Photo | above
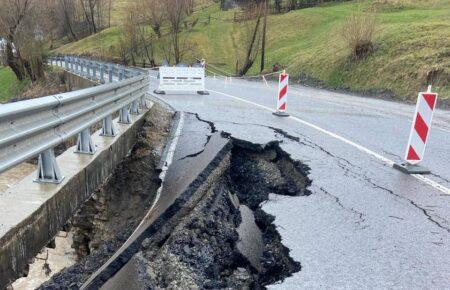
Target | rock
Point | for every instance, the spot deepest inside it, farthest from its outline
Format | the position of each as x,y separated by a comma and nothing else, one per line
145,243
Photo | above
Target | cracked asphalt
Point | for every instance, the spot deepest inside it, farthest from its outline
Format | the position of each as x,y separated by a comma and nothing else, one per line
365,225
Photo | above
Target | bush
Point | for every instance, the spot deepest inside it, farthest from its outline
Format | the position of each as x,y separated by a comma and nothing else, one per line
389,5
358,31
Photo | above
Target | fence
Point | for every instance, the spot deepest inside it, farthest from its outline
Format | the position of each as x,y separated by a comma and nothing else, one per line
34,127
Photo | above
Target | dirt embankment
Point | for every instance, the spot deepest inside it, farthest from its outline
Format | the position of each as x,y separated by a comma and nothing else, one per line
222,239
227,241
109,217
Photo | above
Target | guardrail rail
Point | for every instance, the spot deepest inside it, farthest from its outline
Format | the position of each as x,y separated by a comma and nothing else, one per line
34,127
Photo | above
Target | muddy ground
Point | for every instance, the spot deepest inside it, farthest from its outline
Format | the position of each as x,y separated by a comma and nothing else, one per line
208,249
108,218
225,242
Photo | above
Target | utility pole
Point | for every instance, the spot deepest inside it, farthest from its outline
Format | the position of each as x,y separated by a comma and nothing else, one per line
263,48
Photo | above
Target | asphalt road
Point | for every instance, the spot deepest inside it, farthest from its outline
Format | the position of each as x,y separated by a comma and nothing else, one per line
365,225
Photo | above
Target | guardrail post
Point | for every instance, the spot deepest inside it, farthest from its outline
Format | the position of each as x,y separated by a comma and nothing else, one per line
121,73
86,66
143,103
88,70
66,63
110,73
135,107
108,129
102,73
81,67
124,115
48,170
94,71
84,143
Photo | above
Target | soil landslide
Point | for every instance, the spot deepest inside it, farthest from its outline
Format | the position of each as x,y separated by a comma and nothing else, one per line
109,217
217,238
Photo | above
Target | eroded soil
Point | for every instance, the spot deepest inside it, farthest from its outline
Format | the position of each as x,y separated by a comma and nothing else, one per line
224,241
109,217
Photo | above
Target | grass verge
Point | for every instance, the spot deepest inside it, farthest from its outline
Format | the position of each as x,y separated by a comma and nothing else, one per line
10,87
412,42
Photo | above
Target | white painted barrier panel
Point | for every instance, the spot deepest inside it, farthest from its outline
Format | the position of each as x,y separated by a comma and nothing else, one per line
191,79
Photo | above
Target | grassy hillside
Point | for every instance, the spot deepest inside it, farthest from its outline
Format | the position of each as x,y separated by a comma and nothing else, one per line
9,86
412,39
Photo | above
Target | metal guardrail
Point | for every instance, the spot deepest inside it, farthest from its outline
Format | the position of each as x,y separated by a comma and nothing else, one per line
34,127
97,71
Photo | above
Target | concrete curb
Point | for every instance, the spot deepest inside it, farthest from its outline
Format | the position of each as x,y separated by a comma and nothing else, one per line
38,211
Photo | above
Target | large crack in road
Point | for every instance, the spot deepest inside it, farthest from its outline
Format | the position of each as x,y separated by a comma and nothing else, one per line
111,214
349,169
225,240
220,239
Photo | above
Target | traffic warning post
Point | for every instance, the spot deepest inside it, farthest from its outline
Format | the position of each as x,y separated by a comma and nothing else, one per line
182,79
283,85
420,132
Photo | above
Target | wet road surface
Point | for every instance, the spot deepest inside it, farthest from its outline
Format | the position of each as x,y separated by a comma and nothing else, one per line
365,225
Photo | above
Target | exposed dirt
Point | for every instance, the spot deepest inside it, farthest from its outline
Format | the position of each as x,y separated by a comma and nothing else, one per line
202,250
113,212
208,246
54,83
128,195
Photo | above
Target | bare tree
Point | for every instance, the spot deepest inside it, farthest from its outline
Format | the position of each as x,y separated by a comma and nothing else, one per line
94,13
12,18
67,10
25,25
136,41
251,38
154,10
264,35
176,11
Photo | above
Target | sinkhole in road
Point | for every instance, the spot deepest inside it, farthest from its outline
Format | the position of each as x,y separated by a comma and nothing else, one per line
227,240
224,240
109,216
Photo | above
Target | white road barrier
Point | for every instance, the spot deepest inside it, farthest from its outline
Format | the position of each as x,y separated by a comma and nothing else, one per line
182,79
420,130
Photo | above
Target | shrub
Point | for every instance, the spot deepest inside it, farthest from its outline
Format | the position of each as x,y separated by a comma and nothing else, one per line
387,6
358,31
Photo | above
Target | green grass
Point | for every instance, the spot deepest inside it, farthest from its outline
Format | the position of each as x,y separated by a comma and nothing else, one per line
104,43
9,85
412,39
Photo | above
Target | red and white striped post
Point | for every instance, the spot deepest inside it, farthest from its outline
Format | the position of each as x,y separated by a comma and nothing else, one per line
283,86
420,132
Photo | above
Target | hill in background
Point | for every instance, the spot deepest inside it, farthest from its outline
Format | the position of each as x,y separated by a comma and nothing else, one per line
412,43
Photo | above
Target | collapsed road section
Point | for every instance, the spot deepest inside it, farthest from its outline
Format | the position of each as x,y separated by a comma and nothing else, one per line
107,216
205,229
